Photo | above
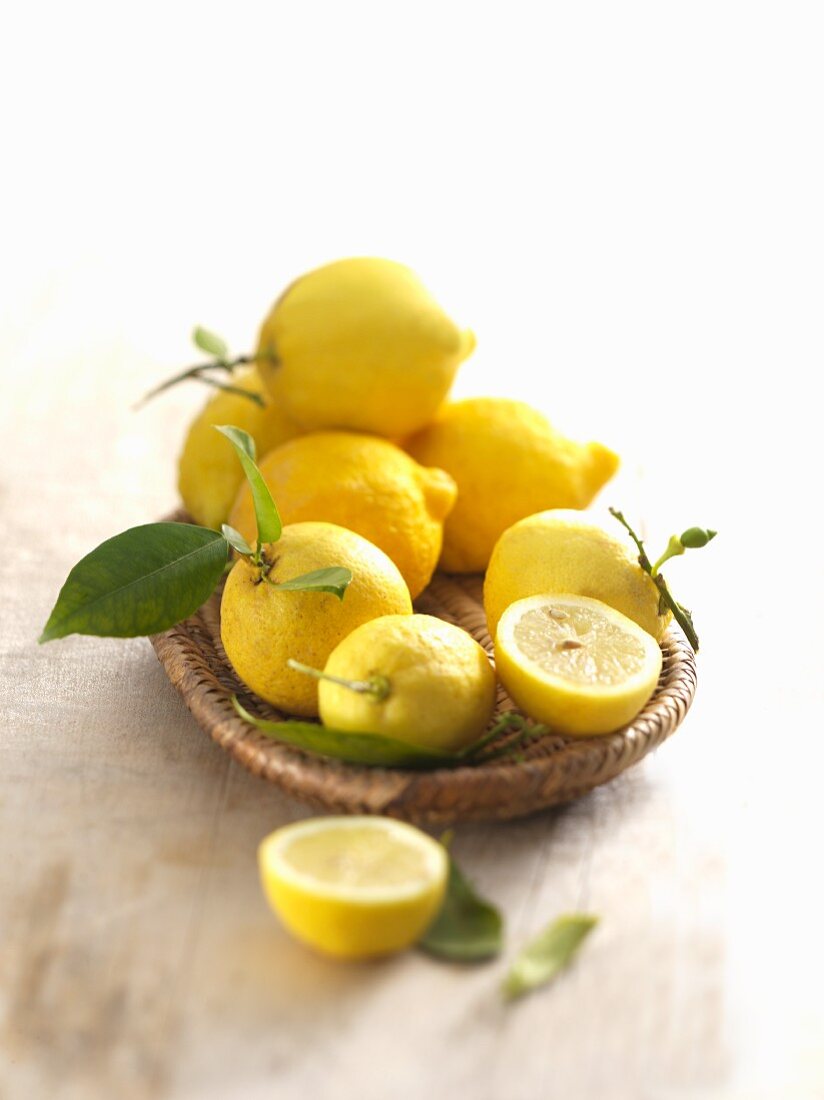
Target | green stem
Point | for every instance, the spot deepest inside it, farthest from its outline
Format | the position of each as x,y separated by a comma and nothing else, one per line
198,372
505,724
674,549
378,685
665,598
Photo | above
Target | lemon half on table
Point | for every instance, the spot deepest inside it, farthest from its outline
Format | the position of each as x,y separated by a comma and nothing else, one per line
354,887
575,663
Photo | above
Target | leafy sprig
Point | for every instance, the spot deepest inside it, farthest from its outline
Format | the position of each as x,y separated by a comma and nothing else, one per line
149,578
221,362
692,539
376,750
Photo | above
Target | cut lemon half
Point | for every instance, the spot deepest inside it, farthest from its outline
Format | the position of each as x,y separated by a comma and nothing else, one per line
354,887
575,663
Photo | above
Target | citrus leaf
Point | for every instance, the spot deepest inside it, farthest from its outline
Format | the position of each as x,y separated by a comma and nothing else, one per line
266,512
210,343
236,540
372,749
335,579
549,952
468,928
139,582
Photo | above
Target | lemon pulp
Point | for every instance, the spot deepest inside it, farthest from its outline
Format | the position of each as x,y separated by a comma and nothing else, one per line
354,887
575,663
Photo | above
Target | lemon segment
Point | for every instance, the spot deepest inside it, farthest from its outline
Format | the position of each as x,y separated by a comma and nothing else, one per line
576,664
363,483
354,887
564,551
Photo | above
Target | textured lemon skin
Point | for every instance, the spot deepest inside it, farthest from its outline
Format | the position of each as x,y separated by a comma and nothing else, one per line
563,705
442,687
508,463
346,929
563,551
261,627
209,474
361,344
364,483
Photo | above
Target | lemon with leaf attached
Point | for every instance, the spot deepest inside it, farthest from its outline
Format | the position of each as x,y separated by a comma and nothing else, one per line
263,622
364,483
361,344
209,474
508,462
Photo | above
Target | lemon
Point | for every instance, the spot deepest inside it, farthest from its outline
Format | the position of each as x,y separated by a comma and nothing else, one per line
261,627
354,887
364,483
563,551
508,462
361,344
435,687
209,473
575,663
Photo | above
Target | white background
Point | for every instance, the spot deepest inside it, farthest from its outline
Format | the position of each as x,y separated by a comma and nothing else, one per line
624,200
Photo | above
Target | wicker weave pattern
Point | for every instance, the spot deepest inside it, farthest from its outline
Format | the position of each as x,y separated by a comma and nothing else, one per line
551,771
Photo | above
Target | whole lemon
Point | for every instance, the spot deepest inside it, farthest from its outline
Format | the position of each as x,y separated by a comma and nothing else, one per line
508,463
364,483
361,344
209,474
435,684
564,552
261,626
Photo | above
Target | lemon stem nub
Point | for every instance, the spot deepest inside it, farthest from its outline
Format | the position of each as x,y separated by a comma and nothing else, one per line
375,685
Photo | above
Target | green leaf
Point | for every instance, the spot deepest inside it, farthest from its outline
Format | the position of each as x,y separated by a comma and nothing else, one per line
236,540
468,928
547,954
266,512
371,749
335,579
139,582
210,343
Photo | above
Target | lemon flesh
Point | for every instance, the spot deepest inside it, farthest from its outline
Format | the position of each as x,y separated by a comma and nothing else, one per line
361,344
575,663
363,483
564,551
508,462
261,627
441,687
209,473
354,887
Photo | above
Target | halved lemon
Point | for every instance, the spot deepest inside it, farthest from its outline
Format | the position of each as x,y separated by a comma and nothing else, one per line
575,663
354,887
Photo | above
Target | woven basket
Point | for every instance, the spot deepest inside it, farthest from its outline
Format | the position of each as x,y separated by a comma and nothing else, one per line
549,771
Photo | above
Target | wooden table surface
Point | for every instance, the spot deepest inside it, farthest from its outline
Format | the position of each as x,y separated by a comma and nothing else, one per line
650,275
138,958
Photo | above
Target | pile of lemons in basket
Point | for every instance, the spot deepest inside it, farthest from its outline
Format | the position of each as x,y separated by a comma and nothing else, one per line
347,419
375,470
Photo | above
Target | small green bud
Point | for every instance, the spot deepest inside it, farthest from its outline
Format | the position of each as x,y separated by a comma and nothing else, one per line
696,537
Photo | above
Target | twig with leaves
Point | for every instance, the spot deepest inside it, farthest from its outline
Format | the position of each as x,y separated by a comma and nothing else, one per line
691,539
